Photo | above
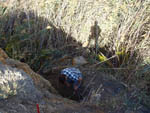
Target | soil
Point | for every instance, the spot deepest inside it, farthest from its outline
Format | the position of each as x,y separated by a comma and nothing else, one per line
97,89
92,81
62,89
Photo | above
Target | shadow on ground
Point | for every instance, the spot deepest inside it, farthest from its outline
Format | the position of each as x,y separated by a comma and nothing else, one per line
43,45
38,42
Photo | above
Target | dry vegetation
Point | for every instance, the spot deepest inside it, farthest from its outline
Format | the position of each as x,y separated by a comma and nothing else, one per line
37,30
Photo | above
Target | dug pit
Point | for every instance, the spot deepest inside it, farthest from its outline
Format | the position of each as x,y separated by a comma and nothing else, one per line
62,89
94,84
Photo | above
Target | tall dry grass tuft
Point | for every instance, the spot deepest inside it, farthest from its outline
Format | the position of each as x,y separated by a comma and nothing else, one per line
130,41
133,33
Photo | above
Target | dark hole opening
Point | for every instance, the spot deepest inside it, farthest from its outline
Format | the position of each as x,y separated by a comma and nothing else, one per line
63,90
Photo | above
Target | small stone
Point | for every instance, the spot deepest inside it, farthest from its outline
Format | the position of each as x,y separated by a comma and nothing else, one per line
80,60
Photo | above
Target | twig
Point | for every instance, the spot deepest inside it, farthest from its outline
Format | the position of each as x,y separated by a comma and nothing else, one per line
84,100
89,84
103,61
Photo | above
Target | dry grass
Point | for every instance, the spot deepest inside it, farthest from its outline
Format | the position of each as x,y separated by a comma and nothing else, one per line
124,24
77,17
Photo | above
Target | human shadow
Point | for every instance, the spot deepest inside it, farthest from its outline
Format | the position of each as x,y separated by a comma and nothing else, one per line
95,34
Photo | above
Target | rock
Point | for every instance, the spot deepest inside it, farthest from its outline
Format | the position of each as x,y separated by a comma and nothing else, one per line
16,82
38,80
99,89
80,60
21,89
